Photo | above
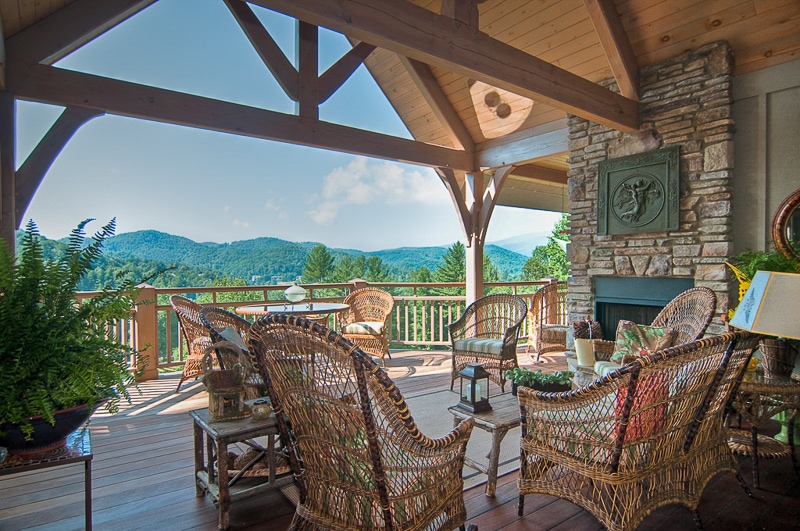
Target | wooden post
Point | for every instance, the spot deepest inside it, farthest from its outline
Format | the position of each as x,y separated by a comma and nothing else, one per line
146,333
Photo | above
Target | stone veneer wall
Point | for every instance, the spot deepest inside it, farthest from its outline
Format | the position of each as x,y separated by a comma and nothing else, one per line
686,100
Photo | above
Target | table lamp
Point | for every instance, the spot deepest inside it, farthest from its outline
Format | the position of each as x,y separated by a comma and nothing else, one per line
770,307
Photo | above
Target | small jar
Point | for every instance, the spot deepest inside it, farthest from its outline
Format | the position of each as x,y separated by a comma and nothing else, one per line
261,408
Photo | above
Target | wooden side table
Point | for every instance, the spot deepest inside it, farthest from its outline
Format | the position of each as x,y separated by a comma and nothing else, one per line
211,439
757,400
78,449
503,416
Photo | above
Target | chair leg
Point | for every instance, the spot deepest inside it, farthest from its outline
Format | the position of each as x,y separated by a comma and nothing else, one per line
697,522
521,504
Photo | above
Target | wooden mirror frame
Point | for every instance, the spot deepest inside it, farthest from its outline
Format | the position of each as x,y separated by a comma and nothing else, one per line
789,207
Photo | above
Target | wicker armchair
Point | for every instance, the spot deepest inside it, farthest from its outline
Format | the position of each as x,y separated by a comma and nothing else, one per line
689,314
358,457
194,333
224,328
648,434
547,319
487,333
366,322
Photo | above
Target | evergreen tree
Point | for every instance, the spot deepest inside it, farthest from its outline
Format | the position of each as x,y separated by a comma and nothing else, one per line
550,260
318,265
347,268
454,268
376,270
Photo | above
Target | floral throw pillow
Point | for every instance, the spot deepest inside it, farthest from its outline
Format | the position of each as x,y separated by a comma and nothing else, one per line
634,340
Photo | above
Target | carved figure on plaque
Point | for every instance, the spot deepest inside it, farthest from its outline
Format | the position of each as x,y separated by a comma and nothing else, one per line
638,200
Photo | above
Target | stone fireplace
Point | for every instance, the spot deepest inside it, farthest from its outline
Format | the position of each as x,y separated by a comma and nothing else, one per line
685,101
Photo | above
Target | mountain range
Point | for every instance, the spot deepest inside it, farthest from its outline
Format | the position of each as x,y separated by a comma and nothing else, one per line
264,260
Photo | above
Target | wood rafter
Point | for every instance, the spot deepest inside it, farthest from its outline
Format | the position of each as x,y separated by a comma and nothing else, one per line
437,100
521,149
448,177
616,45
64,87
33,170
335,76
490,196
266,47
69,28
415,32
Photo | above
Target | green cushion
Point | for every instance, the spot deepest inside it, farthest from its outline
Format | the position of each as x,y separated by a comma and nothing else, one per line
483,346
601,368
374,328
640,340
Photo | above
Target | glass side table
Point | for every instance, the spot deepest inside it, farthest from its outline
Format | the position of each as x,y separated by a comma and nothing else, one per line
77,450
757,400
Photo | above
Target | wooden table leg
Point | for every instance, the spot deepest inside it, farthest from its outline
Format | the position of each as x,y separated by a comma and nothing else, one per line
755,456
87,485
222,483
198,458
494,458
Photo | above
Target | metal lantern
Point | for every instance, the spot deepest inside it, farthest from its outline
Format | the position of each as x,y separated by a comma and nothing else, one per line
474,388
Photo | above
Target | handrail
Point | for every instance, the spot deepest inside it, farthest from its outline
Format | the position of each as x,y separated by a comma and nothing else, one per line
419,318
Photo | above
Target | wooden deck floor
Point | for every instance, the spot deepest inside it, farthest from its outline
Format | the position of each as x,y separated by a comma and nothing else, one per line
143,477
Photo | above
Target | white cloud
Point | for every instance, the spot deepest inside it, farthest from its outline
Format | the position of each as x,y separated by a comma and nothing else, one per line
241,224
278,210
367,182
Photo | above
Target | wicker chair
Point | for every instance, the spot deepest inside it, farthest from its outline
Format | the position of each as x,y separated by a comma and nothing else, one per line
487,333
689,314
647,435
547,319
359,459
224,328
194,333
366,322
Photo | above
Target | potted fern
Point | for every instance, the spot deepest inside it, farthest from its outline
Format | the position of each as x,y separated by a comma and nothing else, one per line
58,358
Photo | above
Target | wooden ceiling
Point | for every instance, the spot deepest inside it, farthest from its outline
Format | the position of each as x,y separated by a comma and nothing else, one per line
471,91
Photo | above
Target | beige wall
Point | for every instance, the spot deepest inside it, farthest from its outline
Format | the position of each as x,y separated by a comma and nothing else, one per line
767,150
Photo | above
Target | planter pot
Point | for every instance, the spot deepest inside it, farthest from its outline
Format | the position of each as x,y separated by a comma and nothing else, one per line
46,437
552,388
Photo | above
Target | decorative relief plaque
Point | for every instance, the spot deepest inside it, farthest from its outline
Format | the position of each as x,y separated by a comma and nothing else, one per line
639,193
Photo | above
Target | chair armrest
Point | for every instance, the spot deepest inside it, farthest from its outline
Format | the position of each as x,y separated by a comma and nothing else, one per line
603,349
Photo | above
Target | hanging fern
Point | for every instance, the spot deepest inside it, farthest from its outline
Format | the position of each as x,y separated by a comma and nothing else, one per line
54,352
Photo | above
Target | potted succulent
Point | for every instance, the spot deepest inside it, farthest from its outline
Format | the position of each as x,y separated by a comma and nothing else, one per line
57,357
552,382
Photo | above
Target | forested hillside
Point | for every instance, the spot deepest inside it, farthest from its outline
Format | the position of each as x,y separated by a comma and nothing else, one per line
258,261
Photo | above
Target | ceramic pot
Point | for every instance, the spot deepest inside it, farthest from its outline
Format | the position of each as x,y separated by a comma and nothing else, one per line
46,437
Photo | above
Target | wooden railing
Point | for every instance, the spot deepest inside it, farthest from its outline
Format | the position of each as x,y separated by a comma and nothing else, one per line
421,314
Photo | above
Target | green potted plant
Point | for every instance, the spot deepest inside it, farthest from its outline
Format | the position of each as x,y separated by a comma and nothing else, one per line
552,382
58,358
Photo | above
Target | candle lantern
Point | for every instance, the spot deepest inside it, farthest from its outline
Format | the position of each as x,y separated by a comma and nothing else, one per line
474,388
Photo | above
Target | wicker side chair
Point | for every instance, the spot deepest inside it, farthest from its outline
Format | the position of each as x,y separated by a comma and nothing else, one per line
225,327
646,435
194,333
487,333
547,319
359,459
689,314
366,322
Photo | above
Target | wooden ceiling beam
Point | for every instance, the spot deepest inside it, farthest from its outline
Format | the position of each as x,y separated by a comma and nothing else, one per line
265,46
435,97
415,32
616,45
69,28
64,87
538,173
335,76
526,148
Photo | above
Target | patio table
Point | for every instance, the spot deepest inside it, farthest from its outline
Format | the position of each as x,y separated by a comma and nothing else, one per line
305,309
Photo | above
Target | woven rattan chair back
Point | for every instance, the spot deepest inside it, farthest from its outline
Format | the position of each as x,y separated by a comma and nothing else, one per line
194,334
359,459
369,305
547,319
657,421
689,314
496,317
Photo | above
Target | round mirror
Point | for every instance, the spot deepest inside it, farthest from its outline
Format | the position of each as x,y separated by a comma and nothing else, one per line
786,226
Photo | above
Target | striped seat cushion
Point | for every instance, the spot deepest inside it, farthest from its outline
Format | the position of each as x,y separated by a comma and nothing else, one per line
374,328
484,346
601,368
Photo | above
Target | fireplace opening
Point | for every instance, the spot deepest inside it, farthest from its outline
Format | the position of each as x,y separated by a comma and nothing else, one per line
634,299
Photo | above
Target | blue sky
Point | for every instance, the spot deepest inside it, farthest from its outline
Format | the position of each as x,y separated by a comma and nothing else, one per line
216,187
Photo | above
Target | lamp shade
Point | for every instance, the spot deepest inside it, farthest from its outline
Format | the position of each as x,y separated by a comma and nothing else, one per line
770,305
